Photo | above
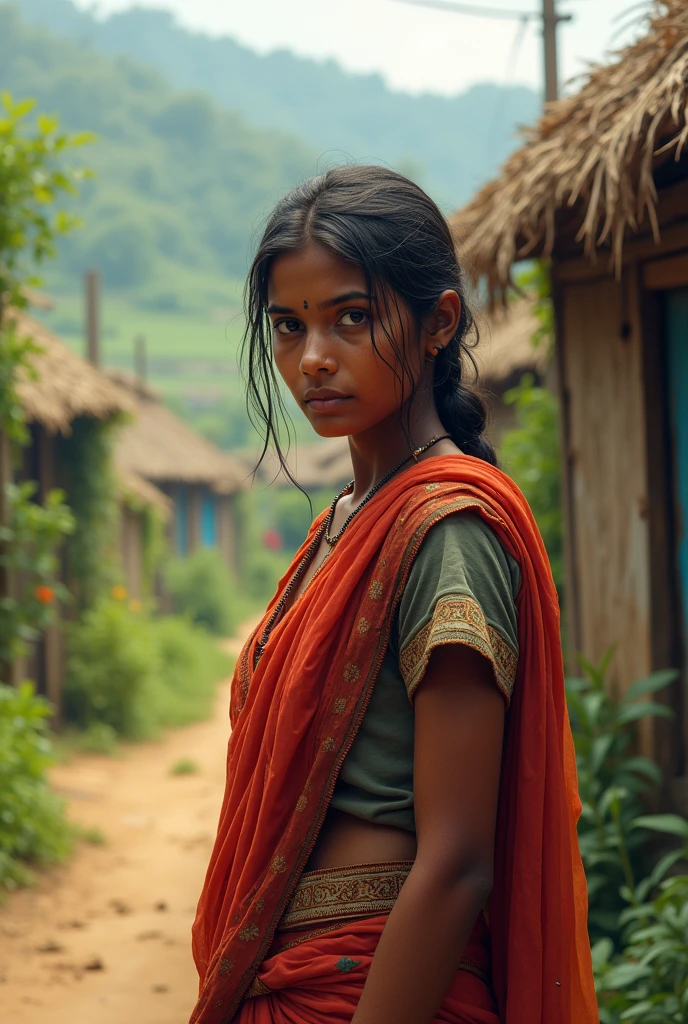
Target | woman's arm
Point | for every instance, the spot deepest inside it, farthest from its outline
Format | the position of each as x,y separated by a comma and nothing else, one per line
459,726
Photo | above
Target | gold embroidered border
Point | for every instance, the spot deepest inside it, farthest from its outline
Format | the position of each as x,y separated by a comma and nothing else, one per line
343,893
459,619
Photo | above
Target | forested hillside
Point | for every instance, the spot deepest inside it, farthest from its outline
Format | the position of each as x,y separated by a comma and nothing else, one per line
180,182
454,143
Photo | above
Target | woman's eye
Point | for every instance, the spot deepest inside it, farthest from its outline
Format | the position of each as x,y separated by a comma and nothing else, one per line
287,326
353,318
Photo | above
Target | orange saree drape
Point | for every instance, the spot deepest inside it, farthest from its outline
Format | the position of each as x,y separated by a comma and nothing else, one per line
295,715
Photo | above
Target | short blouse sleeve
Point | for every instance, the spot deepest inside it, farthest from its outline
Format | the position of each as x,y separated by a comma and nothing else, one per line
462,589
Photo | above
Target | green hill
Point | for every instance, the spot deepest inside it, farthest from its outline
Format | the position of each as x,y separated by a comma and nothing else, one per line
181,185
455,143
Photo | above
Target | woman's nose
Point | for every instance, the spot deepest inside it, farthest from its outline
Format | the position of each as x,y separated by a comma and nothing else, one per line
317,355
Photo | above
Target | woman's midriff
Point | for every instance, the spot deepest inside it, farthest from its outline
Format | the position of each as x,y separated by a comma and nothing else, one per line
345,840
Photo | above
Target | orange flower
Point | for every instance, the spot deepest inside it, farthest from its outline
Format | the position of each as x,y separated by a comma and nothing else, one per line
119,593
44,594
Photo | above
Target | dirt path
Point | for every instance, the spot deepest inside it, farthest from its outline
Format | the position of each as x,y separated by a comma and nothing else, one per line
106,938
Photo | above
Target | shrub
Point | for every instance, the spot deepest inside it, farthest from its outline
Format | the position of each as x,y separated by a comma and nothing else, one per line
648,983
112,668
612,782
33,828
530,453
136,675
190,667
200,587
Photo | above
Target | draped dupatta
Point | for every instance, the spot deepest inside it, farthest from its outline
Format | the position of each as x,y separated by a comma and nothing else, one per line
295,714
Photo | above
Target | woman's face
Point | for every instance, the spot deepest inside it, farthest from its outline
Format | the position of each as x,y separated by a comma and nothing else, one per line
321,335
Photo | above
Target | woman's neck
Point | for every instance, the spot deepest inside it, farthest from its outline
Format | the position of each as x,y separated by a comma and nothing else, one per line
377,451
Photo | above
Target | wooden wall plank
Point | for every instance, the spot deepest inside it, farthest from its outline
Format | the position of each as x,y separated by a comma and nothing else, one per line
670,272
602,367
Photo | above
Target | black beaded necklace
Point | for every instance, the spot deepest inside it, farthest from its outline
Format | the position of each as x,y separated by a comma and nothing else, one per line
324,530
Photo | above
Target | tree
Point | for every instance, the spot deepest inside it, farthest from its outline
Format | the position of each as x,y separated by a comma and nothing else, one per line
32,177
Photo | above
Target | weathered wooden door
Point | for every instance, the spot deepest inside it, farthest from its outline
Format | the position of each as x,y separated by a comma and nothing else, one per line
677,365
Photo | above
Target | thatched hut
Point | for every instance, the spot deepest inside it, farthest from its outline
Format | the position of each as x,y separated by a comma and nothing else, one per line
201,481
600,189
60,391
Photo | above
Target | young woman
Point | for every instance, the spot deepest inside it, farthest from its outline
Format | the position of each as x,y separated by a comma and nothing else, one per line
397,842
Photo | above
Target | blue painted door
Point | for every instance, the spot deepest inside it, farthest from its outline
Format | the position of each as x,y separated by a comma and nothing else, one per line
208,527
677,364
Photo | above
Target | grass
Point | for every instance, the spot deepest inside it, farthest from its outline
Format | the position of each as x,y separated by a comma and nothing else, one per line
184,766
188,351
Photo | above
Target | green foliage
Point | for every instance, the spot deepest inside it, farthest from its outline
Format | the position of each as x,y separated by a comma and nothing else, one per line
638,916
201,588
111,669
92,495
33,829
184,766
97,738
648,984
531,455
191,666
613,781
28,552
32,177
535,282
138,675
153,206
338,113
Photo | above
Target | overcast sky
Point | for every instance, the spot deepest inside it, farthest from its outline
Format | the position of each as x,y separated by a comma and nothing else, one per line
416,50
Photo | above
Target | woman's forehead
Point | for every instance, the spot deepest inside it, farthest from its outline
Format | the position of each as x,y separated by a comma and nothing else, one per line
312,273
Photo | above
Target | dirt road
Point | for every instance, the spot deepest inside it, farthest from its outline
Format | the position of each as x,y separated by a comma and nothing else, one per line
106,938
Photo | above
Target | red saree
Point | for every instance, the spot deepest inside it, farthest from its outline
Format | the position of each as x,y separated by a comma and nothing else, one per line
295,716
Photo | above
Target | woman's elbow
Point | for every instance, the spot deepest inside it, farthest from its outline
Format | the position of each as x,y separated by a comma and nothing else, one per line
461,874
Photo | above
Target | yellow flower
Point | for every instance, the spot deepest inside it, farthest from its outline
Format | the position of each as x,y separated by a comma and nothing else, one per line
119,593
135,606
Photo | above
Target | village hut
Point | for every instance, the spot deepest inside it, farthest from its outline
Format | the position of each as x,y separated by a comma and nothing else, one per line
60,390
599,189
200,481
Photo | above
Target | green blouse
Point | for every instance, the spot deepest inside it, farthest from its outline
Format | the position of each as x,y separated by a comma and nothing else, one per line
462,589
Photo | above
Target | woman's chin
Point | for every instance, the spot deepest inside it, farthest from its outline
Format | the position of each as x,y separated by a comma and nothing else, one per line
326,428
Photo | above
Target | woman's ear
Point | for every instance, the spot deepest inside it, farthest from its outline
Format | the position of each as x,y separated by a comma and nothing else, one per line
442,324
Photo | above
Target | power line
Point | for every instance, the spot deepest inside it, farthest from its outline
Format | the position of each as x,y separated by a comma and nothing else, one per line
548,17
473,11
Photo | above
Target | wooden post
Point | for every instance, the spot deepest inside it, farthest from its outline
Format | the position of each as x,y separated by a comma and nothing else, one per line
93,317
140,358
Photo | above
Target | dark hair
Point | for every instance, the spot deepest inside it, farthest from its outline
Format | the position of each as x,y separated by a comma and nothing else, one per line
387,226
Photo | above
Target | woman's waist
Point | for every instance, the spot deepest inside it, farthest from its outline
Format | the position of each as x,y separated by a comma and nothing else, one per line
331,899
346,840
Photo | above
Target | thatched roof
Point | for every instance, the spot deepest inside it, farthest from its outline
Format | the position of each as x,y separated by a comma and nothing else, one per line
65,386
595,151
506,346
133,487
162,448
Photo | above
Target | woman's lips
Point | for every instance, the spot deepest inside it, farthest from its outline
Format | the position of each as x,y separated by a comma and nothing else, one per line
327,404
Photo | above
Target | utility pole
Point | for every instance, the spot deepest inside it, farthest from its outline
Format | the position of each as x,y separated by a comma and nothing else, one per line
93,317
548,16
140,358
550,23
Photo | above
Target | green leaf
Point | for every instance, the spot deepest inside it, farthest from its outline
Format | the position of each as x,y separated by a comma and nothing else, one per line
634,712
671,824
650,684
